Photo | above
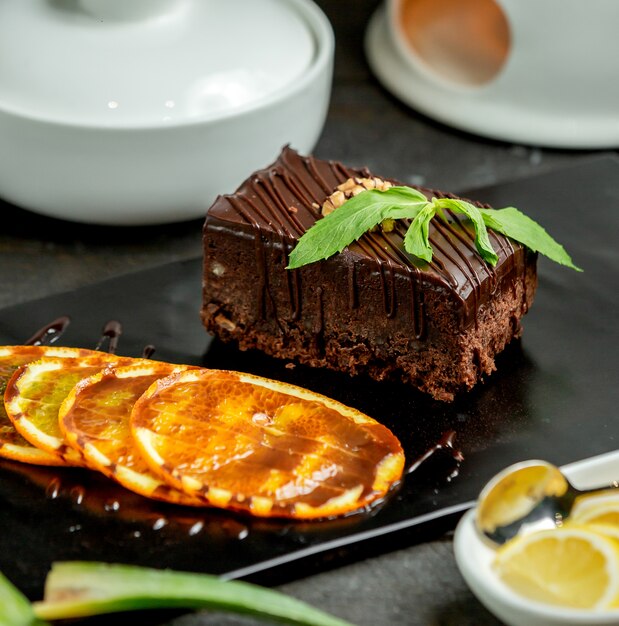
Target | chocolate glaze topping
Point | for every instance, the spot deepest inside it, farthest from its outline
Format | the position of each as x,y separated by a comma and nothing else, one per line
277,205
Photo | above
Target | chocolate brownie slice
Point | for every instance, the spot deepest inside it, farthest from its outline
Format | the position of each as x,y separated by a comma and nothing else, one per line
373,309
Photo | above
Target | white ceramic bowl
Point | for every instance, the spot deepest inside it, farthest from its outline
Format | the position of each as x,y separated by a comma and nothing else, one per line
474,559
141,112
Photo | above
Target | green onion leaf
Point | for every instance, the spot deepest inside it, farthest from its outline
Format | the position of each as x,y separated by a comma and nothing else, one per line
15,610
81,589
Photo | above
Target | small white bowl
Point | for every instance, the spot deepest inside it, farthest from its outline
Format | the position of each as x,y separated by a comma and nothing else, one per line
142,111
474,559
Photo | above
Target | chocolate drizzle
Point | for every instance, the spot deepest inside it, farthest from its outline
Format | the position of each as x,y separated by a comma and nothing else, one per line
445,443
294,292
148,351
50,333
280,203
353,300
111,333
318,329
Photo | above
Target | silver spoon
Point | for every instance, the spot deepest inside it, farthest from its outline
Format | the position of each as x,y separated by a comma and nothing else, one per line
527,496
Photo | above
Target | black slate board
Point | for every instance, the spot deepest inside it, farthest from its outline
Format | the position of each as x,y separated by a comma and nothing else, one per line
554,396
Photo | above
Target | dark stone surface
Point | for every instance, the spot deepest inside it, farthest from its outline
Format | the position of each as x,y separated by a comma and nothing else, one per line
365,126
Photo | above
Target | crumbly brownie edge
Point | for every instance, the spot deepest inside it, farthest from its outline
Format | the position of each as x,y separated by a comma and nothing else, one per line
441,368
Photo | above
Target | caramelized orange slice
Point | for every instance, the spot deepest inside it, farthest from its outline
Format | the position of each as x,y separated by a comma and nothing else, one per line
272,449
94,419
35,392
12,445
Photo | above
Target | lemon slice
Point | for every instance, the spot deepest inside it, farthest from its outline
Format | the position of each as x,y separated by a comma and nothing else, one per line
597,509
94,419
12,445
610,530
573,566
35,393
268,448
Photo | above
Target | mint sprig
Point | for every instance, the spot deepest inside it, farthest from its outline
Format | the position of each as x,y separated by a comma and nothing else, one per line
355,217
482,241
417,238
362,212
515,224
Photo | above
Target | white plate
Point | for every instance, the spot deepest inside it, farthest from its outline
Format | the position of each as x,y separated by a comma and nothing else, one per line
474,559
528,101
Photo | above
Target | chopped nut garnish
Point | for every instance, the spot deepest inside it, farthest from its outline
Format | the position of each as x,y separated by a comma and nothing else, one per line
353,187
223,322
347,185
350,188
328,207
338,198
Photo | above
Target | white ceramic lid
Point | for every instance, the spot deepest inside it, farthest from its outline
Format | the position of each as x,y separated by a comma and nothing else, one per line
121,63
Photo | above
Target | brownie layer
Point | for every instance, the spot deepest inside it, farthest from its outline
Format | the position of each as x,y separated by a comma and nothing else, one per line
373,309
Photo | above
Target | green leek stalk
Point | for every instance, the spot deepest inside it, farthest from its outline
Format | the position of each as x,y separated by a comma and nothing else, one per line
15,610
82,589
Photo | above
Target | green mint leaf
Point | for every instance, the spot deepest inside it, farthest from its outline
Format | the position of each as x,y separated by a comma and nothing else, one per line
511,222
416,240
356,216
482,241
361,213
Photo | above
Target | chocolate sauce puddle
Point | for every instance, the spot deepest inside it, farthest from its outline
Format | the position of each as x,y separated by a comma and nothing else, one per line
50,333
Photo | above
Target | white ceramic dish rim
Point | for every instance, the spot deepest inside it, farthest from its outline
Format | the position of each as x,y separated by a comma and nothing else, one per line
323,35
500,122
474,559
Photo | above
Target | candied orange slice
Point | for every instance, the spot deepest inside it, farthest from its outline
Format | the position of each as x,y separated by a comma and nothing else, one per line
35,392
258,445
12,445
94,419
